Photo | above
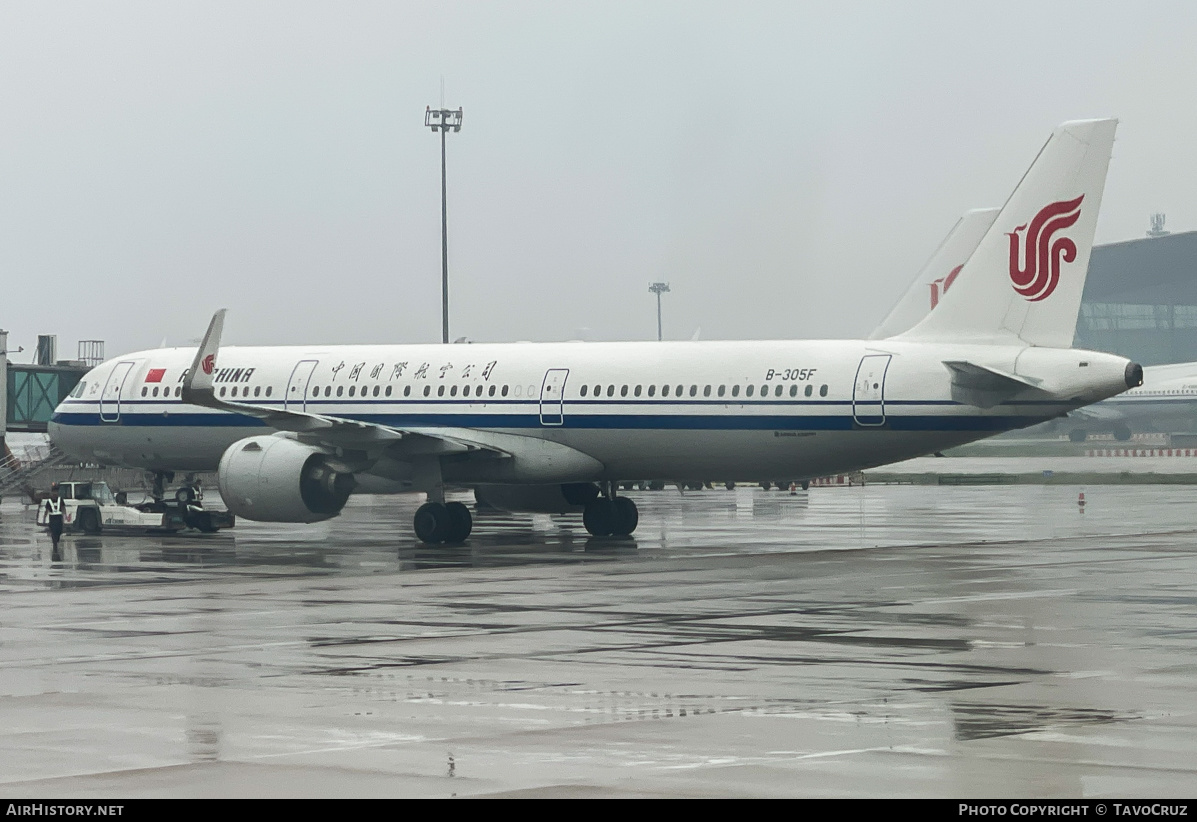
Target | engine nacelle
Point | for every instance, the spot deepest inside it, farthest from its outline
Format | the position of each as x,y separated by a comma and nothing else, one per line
539,499
276,479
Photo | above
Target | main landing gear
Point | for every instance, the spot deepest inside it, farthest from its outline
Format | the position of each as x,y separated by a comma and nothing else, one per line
443,522
608,515
438,522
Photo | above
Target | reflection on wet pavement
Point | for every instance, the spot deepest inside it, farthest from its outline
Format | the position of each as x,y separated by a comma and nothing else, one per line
888,641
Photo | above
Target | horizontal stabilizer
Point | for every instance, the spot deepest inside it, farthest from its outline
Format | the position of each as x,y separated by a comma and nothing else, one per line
985,387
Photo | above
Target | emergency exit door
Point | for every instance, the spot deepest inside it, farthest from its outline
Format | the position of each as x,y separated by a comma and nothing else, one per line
868,392
552,392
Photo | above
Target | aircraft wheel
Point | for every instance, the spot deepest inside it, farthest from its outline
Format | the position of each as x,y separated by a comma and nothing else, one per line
460,522
599,517
1122,433
627,516
806,485
185,495
765,485
432,522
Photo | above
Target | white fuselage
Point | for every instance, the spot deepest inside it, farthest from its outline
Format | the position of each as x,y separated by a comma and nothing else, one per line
712,410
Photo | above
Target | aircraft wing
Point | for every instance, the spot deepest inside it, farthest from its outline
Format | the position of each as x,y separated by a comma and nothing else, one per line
198,389
510,456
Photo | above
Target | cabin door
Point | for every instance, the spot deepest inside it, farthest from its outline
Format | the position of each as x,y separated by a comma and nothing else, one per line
552,392
297,387
868,393
110,397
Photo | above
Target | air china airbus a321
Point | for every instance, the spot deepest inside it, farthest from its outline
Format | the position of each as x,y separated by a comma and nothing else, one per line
554,427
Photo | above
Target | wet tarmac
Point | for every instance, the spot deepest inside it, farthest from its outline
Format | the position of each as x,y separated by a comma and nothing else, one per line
847,642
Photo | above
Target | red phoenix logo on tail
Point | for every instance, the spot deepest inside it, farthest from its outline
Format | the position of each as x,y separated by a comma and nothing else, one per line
1039,274
208,364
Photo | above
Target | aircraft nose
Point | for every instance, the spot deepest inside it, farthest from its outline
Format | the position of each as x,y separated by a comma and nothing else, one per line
1134,375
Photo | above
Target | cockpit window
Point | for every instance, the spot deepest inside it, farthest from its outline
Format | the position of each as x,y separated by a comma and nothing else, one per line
78,392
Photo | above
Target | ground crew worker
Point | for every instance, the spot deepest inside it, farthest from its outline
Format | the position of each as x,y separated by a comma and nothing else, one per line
54,511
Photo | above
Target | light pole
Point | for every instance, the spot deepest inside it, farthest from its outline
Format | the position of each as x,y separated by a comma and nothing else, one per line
659,289
442,120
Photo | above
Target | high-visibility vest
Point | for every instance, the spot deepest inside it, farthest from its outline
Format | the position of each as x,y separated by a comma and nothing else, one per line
54,507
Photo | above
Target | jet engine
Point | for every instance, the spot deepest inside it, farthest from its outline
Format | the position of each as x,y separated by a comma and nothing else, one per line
276,479
568,498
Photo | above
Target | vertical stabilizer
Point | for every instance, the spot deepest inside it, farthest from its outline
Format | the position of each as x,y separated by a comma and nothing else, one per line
1024,281
939,274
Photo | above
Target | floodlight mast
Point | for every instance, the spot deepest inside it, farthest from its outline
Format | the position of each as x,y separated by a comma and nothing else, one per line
442,120
659,289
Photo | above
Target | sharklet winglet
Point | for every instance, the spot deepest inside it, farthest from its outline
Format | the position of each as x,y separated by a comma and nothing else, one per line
198,385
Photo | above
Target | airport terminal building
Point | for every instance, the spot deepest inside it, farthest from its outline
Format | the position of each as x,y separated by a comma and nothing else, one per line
1140,300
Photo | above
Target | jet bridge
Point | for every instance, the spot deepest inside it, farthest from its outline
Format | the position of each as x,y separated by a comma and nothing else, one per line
29,392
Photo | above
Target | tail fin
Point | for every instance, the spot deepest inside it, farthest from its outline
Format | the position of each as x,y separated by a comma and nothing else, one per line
939,274
1025,279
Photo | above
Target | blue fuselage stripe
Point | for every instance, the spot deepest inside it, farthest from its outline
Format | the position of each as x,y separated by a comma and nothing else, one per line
465,419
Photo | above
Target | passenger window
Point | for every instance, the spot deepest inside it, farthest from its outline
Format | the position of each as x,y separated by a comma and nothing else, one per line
352,390
234,392
722,390
316,391
155,391
664,390
583,391
598,389
268,391
407,390
652,391
623,392
748,391
179,391
637,391
777,391
388,391
340,390
376,390
706,392
823,391
735,390
491,392
222,390
327,390
453,391
678,393
440,390
794,390
694,391
610,390
427,390
504,391
764,390
144,391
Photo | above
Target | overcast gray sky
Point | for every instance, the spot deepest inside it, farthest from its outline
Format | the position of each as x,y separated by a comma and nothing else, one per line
787,166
